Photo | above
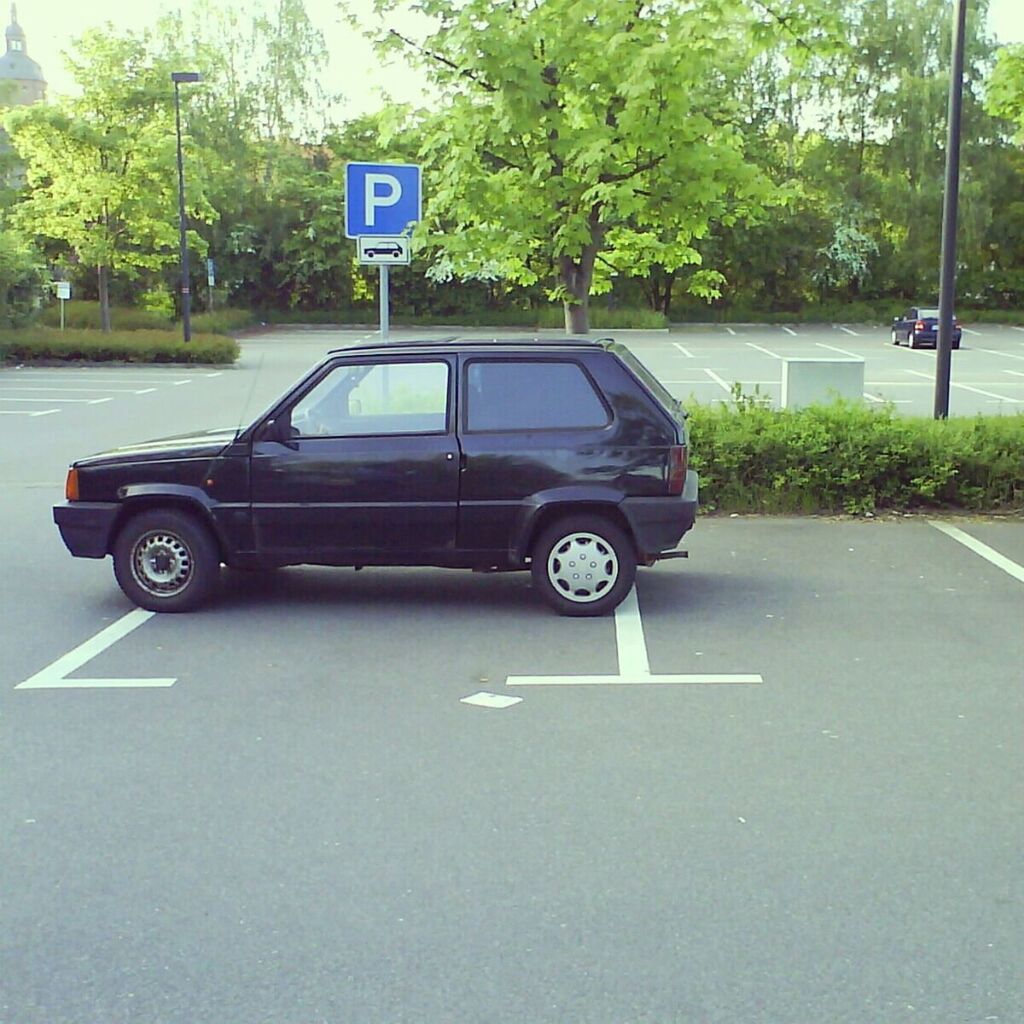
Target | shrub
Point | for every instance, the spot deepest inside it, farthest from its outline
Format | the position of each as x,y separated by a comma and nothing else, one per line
85,315
37,344
844,458
223,321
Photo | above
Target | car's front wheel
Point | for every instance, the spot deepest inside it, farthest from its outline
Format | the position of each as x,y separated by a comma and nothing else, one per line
583,565
166,561
895,337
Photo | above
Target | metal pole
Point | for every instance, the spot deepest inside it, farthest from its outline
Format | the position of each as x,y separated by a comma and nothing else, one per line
384,297
186,297
947,274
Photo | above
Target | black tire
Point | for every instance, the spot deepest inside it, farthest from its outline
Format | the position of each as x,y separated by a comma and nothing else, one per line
603,582
166,560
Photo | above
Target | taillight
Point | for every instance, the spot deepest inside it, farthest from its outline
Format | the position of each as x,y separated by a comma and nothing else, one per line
919,326
676,468
71,485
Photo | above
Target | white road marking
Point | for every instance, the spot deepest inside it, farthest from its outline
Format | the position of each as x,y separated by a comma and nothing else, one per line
766,351
841,351
718,380
53,677
66,401
989,554
1019,328
967,330
218,373
634,667
31,387
731,331
686,352
483,699
968,387
891,401
145,391
178,383
848,331
26,412
1016,373
996,352
789,330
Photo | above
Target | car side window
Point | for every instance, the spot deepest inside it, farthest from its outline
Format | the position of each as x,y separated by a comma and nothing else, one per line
364,399
531,395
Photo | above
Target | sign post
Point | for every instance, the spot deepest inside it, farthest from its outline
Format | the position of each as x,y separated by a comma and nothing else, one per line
210,282
63,293
382,203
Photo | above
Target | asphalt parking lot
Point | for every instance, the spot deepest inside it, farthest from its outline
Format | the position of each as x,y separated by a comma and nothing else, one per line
780,785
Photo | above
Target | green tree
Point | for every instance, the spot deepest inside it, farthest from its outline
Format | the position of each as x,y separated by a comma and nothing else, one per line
101,167
573,131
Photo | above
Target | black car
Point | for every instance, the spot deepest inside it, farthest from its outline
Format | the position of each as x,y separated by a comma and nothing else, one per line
919,326
568,459
387,249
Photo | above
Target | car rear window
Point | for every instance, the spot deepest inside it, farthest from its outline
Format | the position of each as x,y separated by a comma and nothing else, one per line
647,378
531,395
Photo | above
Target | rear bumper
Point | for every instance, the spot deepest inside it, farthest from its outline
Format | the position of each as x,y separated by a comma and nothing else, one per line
85,526
658,524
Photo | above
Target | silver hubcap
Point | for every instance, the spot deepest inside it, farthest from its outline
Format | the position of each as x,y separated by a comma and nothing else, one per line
582,567
162,563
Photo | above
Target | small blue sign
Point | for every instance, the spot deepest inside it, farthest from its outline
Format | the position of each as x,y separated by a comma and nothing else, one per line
381,199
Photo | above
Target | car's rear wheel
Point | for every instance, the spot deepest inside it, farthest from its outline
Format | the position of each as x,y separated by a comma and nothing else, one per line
583,565
895,337
912,340
166,560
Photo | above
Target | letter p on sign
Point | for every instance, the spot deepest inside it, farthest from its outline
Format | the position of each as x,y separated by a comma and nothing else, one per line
380,190
381,199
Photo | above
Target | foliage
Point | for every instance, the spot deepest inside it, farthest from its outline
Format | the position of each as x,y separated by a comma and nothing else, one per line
845,458
143,346
81,315
21,279
573,139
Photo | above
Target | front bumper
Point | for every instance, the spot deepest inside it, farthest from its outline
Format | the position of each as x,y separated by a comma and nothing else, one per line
658,524
85,526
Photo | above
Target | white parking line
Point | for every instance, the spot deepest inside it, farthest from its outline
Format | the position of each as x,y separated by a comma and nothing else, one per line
789,330
968,387
53,677
967,330
634,667
1019,328
1016,373
989,554
4,388
996,352
718,380
766,351
841,351
686,352
848,331
731,331
26,412
77,401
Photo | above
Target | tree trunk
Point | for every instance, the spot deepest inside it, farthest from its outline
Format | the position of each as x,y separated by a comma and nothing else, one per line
104,275
576,279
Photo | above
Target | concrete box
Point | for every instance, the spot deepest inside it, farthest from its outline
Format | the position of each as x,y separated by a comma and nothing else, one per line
821,381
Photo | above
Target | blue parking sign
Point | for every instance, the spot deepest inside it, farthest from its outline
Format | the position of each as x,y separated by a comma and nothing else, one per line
381,199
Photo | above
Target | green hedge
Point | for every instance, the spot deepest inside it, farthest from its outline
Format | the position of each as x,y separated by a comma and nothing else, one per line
86,316
41,344
843,458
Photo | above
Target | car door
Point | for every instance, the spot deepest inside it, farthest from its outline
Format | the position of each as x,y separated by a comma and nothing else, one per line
362,467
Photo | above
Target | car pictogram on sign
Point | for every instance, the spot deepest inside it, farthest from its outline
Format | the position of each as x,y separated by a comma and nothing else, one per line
386,249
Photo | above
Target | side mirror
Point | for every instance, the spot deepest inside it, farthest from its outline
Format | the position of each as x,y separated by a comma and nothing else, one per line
279,430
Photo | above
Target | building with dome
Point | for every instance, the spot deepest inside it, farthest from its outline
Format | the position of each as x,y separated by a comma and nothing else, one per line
21,78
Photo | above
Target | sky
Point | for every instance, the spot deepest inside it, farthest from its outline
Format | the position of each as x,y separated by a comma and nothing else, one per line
51,25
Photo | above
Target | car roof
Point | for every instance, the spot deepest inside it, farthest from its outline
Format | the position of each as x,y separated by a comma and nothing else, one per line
460,342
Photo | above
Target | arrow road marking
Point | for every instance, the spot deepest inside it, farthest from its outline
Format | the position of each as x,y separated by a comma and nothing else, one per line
54,677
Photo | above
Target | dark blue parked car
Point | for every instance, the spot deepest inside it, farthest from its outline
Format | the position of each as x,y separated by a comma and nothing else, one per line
566,459
919,326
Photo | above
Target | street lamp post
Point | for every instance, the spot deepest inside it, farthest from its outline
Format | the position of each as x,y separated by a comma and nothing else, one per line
177,77
951,196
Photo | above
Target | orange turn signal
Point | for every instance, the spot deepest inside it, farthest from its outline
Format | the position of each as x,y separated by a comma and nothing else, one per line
71,485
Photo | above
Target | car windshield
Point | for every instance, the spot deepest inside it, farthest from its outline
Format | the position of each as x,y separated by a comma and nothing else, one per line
922,313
